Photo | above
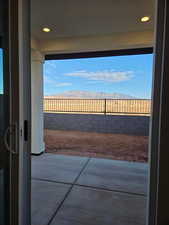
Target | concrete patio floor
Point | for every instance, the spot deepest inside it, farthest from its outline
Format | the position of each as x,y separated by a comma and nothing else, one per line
68,190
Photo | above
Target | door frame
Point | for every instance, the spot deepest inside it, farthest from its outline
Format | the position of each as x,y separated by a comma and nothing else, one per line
19,69
159,185
25,71
159,155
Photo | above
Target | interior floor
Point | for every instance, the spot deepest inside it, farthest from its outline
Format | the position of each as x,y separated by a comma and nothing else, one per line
69,190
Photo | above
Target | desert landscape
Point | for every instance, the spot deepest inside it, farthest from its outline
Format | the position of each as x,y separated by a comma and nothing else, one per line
87,102
93,144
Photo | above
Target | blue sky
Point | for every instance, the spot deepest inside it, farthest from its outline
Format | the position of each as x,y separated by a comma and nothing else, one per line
1,72
130,75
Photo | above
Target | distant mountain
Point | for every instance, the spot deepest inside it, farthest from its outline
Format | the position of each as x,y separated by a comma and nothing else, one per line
90,94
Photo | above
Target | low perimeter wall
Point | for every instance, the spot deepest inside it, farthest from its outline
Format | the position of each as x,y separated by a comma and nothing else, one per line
135,125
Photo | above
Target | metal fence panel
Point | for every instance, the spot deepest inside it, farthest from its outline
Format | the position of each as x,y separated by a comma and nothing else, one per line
106,106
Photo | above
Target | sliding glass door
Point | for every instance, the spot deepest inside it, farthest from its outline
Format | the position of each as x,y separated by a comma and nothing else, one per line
15,109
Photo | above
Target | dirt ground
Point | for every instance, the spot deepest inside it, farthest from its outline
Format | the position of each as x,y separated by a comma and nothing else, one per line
111,146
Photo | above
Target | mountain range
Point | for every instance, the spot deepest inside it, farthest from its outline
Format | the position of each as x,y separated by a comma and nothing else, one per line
91,94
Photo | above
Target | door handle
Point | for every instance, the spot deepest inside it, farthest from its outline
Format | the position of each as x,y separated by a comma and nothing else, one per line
11,136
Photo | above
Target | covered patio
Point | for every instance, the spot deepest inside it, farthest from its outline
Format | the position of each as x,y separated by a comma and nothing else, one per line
68,190
100,28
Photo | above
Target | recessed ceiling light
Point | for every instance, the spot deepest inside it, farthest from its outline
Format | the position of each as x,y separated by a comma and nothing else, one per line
145,19
46,29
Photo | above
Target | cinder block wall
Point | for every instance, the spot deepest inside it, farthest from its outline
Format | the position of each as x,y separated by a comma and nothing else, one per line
135,125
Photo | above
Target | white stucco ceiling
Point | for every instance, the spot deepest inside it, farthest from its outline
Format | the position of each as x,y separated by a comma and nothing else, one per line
75,18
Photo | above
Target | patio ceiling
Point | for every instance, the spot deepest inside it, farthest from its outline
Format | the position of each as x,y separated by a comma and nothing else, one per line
79,20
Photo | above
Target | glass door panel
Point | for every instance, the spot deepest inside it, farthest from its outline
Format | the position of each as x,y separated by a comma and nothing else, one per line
4,122
14,113
4,156
2,188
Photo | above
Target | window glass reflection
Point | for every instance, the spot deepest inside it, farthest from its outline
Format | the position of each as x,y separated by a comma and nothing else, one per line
1,71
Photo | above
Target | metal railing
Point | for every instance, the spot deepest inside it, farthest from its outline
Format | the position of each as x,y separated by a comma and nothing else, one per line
105,106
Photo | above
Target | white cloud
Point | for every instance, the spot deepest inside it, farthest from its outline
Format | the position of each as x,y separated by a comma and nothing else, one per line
63,84
54,83
48,80
106,76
